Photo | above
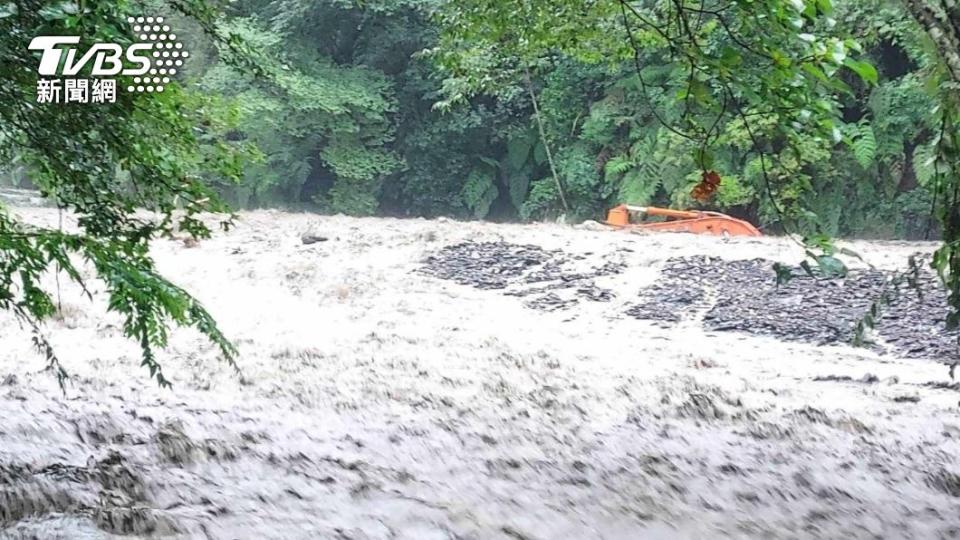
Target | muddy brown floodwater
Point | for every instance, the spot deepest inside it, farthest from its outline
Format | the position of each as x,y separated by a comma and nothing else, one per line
379,400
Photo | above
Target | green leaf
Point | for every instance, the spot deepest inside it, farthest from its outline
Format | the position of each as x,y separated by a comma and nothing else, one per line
831,266
704,158
518,151
58,11
865,70
700,92
618,165
490,162
637,188
479,192
8,10
539,154
730,57
781,59
816,72
864,145
519,186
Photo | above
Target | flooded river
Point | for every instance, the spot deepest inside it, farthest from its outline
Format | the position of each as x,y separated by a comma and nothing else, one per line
377,401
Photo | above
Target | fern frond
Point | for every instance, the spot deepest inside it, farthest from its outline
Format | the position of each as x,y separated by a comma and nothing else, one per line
925,158
618,165
864,145
638,188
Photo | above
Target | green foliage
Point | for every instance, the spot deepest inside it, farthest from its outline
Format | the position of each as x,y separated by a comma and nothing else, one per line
638,172
691,77
376,140
479,191
768,83
926,163
105,163
359,170
521,160
578,172
733,192
863,143
543,200
310,116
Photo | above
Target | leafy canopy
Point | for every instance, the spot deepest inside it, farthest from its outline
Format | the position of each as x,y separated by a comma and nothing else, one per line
106,163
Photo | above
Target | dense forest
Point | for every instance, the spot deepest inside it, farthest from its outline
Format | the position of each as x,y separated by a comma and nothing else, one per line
358,118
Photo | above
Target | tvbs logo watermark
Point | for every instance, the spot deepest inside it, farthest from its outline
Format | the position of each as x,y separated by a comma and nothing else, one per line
151,62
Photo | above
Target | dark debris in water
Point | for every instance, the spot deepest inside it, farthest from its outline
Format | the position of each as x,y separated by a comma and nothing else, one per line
549,280
744,296
110,491
945,481
941,385
492,265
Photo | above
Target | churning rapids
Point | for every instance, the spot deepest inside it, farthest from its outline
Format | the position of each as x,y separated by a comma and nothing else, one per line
385,394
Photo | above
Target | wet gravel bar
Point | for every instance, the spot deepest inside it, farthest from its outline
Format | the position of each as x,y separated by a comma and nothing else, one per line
550,280
743,296
723,295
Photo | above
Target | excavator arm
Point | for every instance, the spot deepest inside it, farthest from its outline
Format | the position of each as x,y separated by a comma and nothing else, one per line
697,222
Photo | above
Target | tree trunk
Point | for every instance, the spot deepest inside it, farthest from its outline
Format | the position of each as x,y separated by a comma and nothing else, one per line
543,139
942,24
941,21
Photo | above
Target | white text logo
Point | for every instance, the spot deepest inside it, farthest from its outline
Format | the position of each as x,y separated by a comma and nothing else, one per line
151,63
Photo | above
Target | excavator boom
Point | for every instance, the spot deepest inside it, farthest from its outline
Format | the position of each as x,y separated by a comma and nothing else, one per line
696,222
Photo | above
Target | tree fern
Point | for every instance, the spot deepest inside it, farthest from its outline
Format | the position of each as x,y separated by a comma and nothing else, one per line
638,172
618,165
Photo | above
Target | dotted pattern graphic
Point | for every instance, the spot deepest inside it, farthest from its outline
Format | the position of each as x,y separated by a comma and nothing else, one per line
168,54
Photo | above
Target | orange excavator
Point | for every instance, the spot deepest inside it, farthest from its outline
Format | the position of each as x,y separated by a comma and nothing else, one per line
696,222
